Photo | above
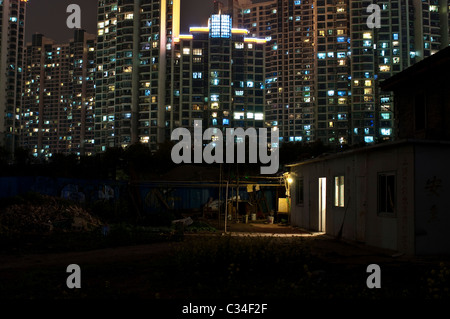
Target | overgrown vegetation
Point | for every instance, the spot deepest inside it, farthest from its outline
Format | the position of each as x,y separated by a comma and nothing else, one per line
136,162
438,282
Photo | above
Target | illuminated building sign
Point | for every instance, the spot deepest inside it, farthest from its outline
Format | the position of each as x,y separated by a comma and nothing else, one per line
220,26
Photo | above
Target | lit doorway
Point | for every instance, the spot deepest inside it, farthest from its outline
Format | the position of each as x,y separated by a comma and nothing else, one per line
322,203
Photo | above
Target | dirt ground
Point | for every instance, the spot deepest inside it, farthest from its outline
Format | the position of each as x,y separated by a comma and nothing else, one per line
340,257
326,247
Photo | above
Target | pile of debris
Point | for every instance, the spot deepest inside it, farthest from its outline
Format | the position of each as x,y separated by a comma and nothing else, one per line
45,215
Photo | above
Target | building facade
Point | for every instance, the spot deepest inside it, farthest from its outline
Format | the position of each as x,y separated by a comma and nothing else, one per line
57,113
217,77
409,32
324,63
422,99
134,40
152,80
12,43
390,195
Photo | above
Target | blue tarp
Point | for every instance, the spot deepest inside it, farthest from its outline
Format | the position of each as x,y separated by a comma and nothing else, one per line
75,189
153,195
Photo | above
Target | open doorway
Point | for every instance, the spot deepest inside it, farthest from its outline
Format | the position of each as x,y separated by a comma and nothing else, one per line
322,203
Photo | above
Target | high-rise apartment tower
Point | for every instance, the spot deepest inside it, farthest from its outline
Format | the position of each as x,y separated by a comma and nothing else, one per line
12,41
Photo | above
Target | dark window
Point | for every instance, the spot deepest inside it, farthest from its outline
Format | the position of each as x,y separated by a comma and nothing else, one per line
299,191
386,193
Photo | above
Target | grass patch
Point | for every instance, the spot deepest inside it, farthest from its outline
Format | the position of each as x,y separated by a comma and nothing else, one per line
200,227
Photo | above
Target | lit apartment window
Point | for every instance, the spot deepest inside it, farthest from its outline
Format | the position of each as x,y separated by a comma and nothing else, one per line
339,191
197,52
186,51
259,116
434,8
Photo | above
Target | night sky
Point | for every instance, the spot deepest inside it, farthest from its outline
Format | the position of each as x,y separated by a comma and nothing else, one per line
49,16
